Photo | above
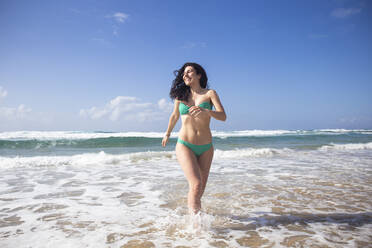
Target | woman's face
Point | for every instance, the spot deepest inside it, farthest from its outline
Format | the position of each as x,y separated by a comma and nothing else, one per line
190,77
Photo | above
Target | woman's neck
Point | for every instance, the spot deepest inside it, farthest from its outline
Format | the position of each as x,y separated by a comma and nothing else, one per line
196,89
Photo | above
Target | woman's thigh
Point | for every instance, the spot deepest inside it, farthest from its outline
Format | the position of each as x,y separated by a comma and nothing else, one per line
205,161
189,164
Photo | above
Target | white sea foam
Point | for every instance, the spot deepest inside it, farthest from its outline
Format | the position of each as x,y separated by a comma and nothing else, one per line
249,152
117,202
54,135
355,146
245,133
343,130
102,158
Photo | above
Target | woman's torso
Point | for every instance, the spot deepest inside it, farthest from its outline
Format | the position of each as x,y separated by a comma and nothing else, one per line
196,129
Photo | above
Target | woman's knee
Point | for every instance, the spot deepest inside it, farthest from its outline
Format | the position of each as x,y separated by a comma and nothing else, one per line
196,187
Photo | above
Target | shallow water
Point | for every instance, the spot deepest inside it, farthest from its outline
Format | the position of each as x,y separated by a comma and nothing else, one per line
255,197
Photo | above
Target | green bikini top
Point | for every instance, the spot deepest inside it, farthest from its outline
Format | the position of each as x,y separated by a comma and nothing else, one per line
184,109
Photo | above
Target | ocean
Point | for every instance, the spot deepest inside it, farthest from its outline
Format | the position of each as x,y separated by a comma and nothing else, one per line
267,188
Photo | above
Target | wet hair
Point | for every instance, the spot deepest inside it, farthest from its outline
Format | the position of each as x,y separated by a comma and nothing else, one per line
179,89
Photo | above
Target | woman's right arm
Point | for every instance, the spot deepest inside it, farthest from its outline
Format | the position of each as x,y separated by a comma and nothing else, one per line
172,122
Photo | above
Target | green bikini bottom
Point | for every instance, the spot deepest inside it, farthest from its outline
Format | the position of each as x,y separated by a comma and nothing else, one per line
197,149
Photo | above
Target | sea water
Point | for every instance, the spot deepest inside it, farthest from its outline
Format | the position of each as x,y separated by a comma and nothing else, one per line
267,188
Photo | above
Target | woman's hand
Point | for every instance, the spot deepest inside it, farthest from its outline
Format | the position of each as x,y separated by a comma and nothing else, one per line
165,140
195,111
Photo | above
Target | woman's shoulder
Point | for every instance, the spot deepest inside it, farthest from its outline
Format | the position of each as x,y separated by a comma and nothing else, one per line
211,92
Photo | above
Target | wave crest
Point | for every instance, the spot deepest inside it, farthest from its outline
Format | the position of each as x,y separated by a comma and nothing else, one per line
247,152
350,146
102,158
76,135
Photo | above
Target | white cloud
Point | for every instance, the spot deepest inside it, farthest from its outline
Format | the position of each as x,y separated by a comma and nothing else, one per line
22,117
120,17
164,105
366,120
20,112
3,93
343,12
129,108
10,113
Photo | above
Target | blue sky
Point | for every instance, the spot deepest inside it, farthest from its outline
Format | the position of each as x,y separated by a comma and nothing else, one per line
108,65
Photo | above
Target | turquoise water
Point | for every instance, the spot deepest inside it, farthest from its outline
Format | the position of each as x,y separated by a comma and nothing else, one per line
71,143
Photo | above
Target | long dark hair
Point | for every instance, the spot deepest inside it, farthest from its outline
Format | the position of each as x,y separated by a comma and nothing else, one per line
179,89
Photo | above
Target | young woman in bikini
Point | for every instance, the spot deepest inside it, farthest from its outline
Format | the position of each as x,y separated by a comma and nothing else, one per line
194,149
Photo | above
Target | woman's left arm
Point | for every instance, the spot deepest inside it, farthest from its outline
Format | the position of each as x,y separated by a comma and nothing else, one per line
219,113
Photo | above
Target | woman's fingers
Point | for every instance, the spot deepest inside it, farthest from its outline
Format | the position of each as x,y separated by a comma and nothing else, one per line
195,110
164,141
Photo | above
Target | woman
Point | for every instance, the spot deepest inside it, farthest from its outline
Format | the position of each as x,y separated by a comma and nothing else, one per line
194,149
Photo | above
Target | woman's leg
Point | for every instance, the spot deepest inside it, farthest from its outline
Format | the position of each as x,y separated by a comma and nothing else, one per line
190,167
205,161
